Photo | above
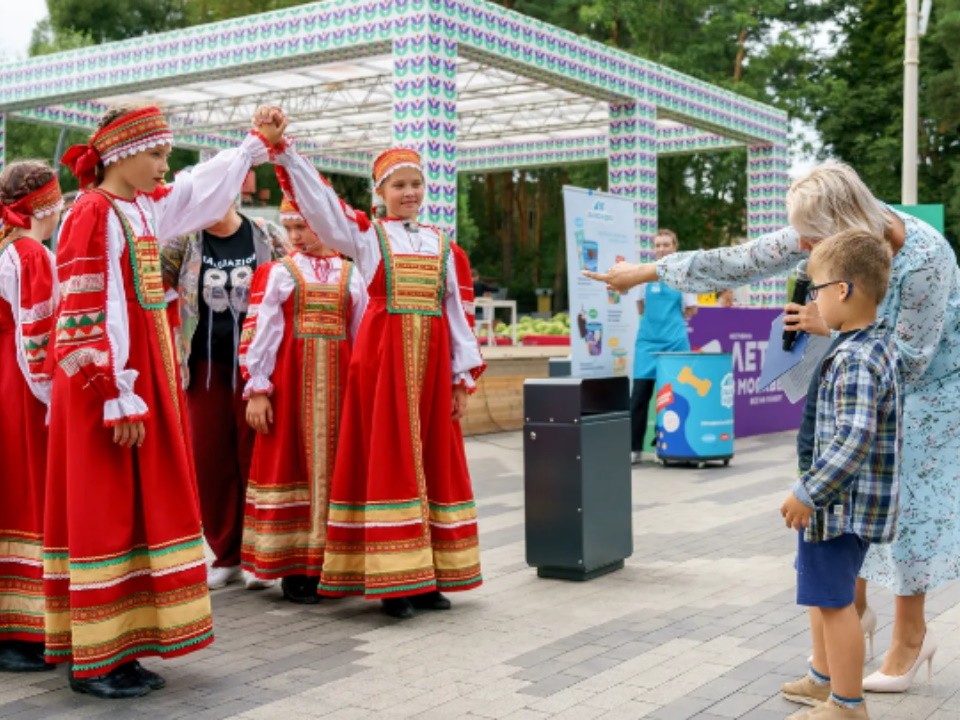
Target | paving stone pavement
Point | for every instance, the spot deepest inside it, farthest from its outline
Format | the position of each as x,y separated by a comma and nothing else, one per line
701,623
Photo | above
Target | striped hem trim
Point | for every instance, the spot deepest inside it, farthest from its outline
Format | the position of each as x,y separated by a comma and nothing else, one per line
35,598
162,649
372,524
460,583
364,507
280,506
82,564
462,523
21,561
136,573
470,504
377,591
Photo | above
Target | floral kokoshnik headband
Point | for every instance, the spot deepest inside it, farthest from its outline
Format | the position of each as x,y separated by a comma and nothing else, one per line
128,135
289,209
392,160
42,202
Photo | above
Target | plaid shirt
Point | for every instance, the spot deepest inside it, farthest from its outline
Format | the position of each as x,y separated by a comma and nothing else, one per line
853,482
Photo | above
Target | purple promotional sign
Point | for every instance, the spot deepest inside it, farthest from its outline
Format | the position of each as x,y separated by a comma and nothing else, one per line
744,332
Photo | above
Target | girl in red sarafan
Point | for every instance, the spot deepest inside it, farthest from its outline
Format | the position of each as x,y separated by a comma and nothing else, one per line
123,552
402,521
294,353
30,205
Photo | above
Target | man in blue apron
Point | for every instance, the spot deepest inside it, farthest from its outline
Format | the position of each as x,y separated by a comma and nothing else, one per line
663,328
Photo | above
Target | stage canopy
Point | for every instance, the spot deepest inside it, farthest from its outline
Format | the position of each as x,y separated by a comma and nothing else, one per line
471,85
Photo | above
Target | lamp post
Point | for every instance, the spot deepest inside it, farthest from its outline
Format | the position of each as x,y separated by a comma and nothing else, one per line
911,74
917,19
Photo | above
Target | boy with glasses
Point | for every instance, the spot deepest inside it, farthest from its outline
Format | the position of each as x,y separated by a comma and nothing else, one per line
846,496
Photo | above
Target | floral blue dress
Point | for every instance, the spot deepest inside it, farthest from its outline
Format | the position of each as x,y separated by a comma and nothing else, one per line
923,306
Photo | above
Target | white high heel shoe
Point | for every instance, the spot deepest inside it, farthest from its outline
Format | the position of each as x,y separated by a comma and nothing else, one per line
878,682
868,623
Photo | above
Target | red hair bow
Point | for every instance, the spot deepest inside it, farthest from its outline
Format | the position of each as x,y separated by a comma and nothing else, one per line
82,161
10,217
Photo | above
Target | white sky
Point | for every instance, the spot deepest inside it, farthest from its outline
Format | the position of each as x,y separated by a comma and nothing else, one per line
20,17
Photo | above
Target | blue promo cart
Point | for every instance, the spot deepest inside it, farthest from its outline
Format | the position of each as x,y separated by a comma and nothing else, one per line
694,400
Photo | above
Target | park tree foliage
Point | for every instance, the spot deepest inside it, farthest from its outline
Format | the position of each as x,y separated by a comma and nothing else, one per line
833,64
106,20
858,101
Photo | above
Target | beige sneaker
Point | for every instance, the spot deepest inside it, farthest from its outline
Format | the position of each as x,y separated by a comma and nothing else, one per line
805,691
801,714
831,711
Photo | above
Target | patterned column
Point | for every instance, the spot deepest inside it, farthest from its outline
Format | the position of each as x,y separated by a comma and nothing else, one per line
767,183
632,166
425,113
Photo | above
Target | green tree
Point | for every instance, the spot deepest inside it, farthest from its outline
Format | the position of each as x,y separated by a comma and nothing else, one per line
858,101
203,11
46,39
27,140
940,104
105,20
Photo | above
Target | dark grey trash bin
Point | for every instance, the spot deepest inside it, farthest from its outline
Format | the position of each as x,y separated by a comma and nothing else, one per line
576,462
558,367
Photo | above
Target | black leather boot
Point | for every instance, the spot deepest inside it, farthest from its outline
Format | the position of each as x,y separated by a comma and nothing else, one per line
116,684
300,589
433,600
148,677
400,608
21,656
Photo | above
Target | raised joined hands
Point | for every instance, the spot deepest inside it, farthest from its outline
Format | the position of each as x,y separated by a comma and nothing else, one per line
271,122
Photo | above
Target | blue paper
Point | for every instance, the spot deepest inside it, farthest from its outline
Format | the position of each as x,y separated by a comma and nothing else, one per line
777,360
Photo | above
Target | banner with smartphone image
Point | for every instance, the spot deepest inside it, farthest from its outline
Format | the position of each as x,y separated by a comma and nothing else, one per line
600,232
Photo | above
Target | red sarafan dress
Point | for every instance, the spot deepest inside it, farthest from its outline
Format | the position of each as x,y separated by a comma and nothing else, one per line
402,517
27,306
124,566
304,314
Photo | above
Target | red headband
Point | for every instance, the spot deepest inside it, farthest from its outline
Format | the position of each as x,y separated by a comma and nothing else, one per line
129,134
44,201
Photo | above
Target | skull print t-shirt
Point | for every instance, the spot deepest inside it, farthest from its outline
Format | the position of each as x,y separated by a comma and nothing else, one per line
228,265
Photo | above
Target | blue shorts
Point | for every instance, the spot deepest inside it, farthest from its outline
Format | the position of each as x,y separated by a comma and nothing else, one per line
827,571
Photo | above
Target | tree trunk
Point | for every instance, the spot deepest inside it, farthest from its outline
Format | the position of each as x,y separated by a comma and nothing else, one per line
541,208
491,220
741,55
506,225
560,279
523,210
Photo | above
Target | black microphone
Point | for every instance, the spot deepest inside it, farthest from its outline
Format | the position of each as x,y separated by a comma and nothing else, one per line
800,289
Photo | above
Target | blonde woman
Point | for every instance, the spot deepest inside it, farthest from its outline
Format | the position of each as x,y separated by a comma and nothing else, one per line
923,307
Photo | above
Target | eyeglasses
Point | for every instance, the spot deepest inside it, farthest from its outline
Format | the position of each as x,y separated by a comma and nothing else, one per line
814,290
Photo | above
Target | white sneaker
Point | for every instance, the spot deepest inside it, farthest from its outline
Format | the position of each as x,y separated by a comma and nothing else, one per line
252,582
218,577
635,457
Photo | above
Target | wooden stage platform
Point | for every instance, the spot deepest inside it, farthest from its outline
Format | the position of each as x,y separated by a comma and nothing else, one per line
497,405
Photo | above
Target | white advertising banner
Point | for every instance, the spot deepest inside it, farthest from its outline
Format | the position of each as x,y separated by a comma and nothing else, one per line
600,232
